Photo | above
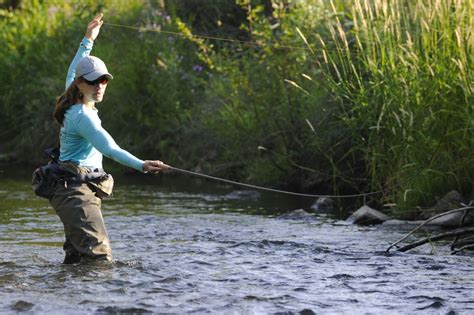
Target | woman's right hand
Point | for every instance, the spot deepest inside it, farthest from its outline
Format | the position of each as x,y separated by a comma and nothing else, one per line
93,28
154,166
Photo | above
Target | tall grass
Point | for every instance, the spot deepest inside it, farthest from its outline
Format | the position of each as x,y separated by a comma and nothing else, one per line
403,72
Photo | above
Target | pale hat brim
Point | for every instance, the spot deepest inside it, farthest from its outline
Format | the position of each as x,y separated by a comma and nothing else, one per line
91,68
96,74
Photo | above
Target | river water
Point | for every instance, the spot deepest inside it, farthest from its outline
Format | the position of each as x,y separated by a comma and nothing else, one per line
191,247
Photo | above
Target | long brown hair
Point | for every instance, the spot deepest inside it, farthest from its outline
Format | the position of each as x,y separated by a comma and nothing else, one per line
72,96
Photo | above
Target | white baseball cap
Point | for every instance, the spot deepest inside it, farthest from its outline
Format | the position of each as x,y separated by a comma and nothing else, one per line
91,68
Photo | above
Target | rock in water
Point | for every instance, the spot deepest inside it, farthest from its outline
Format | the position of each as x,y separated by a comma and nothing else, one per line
450,201
298,214
323,204
366,216
453,220
120,310
22,306
243,194
402,222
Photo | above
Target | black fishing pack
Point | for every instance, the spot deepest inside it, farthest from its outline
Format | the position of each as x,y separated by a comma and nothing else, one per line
46,176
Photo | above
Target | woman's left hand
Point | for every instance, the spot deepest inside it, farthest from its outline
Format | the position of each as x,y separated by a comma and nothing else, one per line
93,28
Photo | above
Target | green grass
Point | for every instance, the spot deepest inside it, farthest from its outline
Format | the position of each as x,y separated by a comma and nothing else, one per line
403,73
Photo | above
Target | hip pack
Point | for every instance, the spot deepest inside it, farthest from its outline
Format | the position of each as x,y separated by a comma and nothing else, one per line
99,181
46,177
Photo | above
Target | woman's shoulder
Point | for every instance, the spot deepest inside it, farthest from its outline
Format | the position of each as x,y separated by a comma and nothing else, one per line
75,108
78,112
79,109
82,116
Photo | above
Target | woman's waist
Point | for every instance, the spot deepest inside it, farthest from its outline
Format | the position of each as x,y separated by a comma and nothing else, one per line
78,168
102,182
91,160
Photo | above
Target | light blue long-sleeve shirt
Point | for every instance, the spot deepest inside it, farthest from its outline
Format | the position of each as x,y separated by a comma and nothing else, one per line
82,137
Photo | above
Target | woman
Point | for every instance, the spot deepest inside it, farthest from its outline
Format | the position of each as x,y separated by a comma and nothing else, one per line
83,142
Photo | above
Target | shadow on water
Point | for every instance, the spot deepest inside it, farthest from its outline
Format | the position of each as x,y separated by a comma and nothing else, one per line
185,246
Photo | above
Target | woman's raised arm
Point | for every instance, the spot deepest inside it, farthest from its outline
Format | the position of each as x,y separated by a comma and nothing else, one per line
85,48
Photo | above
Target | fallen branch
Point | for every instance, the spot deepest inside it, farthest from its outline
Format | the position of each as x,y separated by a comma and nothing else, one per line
438,237
426,222
464,241
456,242
454,252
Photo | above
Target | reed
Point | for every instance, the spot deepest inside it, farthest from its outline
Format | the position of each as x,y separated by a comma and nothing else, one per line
403,73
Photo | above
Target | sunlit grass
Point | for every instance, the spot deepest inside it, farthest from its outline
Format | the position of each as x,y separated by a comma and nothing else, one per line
403,72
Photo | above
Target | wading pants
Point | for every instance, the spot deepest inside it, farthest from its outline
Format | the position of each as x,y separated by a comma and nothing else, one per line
79,209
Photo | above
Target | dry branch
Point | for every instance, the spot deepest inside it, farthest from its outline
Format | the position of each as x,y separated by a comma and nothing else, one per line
471,246
438,237
427,221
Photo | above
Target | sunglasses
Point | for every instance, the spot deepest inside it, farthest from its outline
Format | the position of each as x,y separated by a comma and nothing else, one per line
101,80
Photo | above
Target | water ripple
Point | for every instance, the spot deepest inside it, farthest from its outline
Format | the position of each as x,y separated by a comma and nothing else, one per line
181,252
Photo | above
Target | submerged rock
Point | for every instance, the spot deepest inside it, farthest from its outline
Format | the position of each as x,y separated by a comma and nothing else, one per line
366,216
22,306
402,222
298,214
323,204
120,310
243,194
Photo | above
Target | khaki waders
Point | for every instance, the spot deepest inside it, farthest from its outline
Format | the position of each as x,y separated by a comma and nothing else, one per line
78,207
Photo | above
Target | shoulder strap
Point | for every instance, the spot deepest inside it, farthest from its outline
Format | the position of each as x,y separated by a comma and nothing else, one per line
53,154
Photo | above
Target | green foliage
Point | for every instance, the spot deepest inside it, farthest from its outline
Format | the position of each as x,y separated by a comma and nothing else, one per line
252,101
403,72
